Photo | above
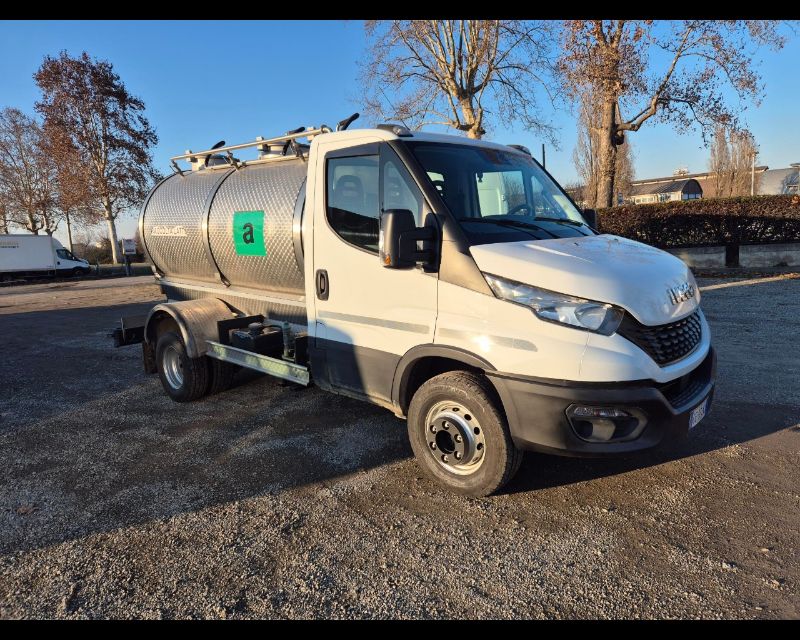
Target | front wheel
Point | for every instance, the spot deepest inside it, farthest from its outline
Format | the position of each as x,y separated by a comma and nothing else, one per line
183,378
460,436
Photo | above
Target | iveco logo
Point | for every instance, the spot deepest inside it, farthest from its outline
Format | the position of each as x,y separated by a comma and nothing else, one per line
680,293
171,232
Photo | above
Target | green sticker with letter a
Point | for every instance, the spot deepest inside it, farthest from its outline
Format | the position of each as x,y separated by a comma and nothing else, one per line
248,233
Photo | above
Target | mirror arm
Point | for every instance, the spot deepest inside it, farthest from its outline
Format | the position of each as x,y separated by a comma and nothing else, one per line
409,241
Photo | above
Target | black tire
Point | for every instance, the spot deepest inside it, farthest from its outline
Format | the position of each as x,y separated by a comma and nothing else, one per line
221,375
77,271
193,380
473,394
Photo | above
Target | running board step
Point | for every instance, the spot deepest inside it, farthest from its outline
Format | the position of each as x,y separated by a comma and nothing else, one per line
251,360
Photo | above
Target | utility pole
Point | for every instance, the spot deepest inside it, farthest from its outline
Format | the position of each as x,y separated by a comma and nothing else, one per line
544,164
753,176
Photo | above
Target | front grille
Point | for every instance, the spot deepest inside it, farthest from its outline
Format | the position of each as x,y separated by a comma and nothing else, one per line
665,343
682,391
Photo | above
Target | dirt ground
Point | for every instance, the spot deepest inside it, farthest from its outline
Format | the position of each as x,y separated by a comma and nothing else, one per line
274,501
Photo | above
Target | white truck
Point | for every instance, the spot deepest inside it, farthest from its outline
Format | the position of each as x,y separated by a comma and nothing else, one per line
449,280
32,255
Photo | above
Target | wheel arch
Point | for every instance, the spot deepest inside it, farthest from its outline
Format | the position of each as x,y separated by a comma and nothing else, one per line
196,321
422,362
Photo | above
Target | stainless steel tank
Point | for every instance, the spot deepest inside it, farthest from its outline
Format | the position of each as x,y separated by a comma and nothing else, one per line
194,227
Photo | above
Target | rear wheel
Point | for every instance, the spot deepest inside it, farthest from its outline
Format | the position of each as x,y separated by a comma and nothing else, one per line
183,378
460,436
221,375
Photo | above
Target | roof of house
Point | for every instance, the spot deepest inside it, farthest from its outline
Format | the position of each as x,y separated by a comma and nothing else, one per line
775,181
651,187
702,176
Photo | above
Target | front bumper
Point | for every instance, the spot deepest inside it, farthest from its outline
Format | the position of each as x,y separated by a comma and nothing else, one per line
536,409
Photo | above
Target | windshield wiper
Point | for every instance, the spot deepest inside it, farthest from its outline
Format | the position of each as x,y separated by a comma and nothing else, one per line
509,223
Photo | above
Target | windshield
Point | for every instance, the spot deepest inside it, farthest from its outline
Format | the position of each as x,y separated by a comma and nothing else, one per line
498,196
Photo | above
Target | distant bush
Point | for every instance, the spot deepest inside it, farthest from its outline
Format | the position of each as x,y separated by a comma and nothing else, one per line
98,254
715,221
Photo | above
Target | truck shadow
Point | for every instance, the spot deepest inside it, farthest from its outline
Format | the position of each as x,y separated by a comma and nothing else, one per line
90,444
730,423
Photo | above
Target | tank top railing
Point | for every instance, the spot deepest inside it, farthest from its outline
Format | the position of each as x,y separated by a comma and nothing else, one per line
196,158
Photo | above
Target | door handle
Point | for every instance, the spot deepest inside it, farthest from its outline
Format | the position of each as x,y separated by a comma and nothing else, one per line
323,286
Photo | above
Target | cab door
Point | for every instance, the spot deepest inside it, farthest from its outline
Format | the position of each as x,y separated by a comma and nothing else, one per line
365,316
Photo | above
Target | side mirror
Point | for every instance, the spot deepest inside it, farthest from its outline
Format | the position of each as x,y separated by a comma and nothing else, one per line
398,237
590,215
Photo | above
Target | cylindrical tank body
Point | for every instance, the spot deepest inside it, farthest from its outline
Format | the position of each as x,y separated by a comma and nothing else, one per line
237,228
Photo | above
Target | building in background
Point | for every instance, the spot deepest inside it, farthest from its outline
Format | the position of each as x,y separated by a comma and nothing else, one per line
690,186
664,190
768,182
775,182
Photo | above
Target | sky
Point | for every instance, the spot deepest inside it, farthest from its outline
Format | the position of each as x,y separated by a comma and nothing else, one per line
223,80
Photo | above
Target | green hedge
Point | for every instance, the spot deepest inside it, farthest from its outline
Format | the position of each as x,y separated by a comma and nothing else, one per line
717,221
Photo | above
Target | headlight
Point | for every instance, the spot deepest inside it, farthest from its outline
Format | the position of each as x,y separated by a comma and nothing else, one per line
557,307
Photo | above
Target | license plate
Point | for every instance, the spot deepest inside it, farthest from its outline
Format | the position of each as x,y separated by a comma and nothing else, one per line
698,413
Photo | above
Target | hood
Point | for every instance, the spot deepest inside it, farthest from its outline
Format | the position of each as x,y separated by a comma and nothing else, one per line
605,268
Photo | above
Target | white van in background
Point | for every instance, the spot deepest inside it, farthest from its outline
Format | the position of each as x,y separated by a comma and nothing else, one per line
29,255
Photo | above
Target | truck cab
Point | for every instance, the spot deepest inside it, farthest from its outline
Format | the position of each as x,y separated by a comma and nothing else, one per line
593,344
67,263
455,283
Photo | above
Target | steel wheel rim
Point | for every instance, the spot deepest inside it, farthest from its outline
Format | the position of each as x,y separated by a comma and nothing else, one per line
173,367
454,438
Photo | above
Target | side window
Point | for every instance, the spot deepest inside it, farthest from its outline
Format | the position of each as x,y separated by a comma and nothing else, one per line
399,189
352,200
63,254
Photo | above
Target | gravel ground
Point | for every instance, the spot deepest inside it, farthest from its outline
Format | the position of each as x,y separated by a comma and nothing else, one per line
280,502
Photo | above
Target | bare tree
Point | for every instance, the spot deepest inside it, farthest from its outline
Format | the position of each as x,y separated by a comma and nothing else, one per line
719,162
458,73
4,221
731,162
83,240
744,152
27,174
619,61
586,156
578,192
73,183
105,124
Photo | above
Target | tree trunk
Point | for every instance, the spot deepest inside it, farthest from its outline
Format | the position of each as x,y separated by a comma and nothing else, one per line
607,152
69,230
32,226
112,231
474,129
